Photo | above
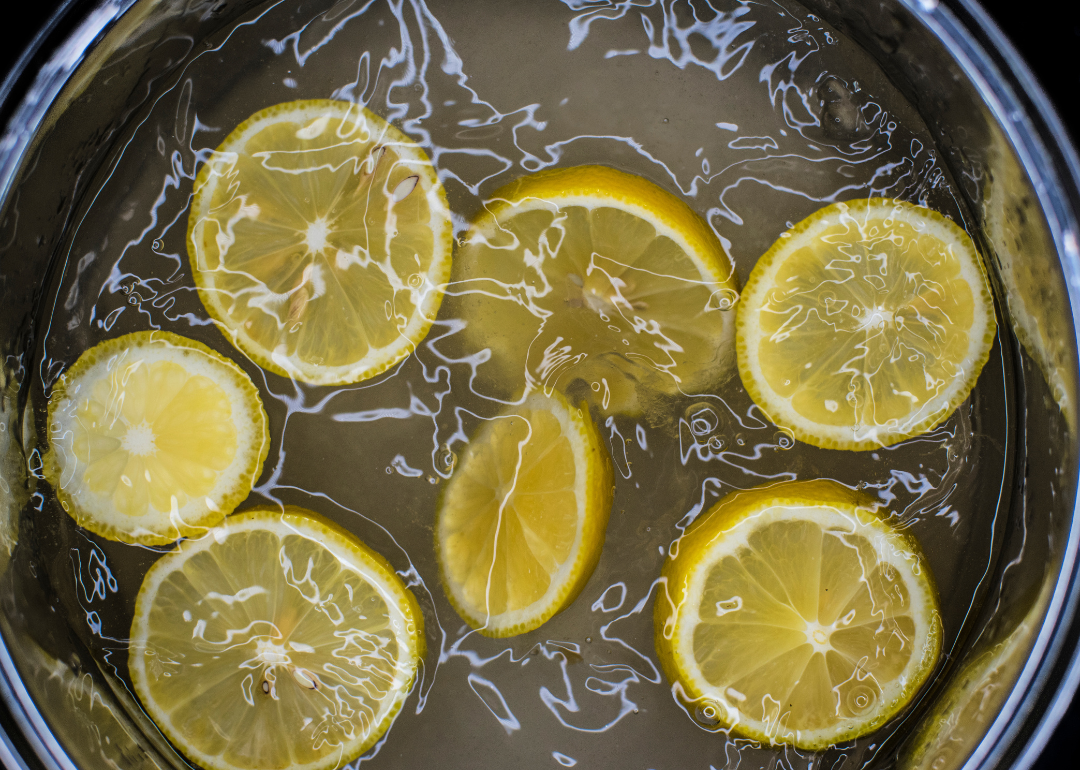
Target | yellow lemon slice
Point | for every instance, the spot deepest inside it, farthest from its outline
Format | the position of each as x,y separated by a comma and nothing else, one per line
865,324
154,437
320,240
522,521
964,710
794,614
276,641
593,274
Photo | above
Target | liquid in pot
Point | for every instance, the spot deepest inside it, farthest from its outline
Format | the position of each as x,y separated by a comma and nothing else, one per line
755,115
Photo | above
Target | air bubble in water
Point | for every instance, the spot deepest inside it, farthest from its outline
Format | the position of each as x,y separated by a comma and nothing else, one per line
707,715
722,299
860,699
702,419
716,443
445,459
158,245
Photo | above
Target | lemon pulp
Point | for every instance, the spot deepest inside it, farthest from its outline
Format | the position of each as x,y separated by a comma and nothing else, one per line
154,436
320,240
865,324
276,641
596,275
522,522
795,614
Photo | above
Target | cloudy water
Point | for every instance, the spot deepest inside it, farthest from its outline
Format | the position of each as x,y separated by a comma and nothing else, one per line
755,114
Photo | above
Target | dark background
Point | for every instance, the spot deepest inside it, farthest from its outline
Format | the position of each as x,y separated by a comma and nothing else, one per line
1046,40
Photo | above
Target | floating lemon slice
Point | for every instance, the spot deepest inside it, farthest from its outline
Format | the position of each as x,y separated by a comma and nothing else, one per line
320,240
522,522
154,437
794,614
592,274
276,641
865,324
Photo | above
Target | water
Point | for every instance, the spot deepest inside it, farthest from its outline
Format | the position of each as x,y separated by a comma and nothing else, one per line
755,114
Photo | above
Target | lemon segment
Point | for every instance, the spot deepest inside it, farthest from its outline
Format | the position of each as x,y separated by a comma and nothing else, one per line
794,614
522,522
276,641
592,274
866,324
154,437
320,241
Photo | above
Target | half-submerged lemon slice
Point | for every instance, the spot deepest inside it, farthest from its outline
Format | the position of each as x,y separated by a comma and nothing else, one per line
522,522
153,437
320,240
865,324
593,274
794,614
276,641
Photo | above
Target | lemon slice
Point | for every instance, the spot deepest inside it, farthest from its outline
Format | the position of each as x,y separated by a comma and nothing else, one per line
865,324
153,437
592,274
794,614
320,240
276,641
522,521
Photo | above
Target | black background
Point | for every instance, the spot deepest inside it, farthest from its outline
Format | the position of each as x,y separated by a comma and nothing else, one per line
1047,40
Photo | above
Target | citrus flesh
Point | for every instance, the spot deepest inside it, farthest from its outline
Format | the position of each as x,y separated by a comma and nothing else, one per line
153,437
592,274
793,614
276,641
865,324
320,240
522,522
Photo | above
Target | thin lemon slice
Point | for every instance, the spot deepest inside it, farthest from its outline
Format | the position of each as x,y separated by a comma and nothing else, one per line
522,522
965,709
276,641
154,437
320,240
593,274
794,614
865,324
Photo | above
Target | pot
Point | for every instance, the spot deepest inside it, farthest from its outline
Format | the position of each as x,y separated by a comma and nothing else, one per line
1013,663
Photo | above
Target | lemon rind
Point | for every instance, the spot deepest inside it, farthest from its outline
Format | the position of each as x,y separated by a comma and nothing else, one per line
936,410
409,621
242,393
378,360
593,493
711,536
